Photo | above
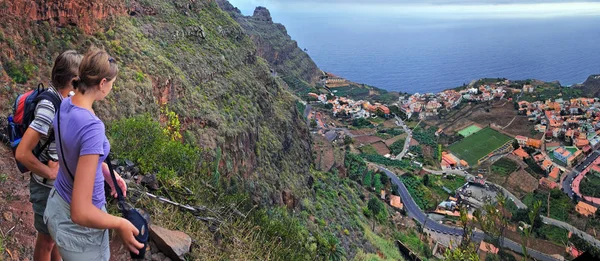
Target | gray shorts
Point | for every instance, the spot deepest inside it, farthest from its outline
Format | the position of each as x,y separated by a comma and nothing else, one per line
74,242
38,196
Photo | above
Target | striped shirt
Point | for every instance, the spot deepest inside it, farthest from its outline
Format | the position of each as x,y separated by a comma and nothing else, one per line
42,123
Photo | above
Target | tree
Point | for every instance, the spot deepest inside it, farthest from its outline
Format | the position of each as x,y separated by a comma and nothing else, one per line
313,123
347,140
515,144
368,180
376,207
380,113
426,180
527,230
329,248
377,183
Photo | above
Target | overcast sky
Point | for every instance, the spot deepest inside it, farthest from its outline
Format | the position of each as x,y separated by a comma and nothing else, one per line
462,9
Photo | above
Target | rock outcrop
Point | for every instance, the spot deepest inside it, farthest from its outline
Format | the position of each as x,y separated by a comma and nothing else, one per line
173,244
274,44
591,86
84,14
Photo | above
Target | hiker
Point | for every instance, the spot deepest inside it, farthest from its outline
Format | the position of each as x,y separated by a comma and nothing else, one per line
44,167
76,213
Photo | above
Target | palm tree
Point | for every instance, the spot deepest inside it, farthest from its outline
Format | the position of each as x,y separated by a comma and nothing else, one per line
331,249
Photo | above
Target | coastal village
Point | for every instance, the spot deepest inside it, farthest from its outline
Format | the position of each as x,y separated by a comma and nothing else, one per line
562,145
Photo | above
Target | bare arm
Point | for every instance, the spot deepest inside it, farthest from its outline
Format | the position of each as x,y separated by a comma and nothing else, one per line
120,182
25,155
84,213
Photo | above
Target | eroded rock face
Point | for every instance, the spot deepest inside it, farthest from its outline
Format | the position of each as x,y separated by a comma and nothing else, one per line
84,14
174,244
288,199
263,14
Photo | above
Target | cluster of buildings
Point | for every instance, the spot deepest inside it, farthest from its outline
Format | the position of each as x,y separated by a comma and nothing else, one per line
576,121
571,130
342,106
429,104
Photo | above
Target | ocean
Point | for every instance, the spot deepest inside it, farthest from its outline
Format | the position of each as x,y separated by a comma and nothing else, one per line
425,54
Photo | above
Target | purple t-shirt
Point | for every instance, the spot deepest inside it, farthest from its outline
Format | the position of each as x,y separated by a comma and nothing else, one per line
82,134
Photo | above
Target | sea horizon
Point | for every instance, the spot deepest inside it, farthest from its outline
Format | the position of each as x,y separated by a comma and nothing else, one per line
430,54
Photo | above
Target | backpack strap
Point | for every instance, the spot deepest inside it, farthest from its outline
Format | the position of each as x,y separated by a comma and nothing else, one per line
61,147
120,197
55,100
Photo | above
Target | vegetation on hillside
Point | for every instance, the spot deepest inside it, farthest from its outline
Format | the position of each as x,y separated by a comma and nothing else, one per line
590,185
504,167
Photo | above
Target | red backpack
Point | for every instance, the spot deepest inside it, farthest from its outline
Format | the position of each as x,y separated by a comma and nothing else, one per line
23,115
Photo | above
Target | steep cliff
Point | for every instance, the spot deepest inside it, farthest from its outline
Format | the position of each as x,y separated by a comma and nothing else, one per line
274,44
188,56
591,86
189,60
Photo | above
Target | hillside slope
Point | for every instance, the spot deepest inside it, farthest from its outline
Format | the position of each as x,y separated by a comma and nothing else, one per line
591,86
274,44
188,56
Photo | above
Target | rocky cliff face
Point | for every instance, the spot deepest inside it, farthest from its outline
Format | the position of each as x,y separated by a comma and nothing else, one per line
591,86
189,56
274,44
84,14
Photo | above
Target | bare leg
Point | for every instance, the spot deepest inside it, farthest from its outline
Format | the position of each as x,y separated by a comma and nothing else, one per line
44,248
55,254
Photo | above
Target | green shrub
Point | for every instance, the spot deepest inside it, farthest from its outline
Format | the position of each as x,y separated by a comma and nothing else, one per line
16,72
397,147
139,76
142,140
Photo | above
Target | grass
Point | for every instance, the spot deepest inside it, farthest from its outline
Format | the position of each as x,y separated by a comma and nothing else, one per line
504,167
436,186
590,185
468,131
386,247
560,204
478,145
413,242
556,235
368,149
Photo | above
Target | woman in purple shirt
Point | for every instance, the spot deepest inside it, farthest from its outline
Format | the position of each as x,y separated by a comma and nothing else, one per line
76,214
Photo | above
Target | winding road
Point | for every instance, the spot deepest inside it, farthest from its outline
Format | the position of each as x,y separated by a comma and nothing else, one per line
587,237
413,211
401,123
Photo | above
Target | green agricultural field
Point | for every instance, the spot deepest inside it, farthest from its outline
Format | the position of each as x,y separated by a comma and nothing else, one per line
478,145
468,131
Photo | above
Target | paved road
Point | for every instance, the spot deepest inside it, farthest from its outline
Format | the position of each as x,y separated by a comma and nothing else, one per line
307,110
587,237
401,123
413,210
566,182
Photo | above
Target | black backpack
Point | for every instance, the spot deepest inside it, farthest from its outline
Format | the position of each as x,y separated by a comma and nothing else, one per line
23,115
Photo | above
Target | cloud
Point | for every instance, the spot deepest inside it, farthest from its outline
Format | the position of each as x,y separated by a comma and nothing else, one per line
442,9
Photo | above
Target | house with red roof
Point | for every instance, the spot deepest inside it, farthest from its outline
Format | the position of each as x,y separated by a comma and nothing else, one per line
554,174
545,182
521,153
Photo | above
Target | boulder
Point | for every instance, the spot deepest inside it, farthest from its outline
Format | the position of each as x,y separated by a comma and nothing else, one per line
174,244
150,181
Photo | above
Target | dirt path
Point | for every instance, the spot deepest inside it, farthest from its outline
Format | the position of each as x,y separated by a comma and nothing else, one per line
510,123
17,233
